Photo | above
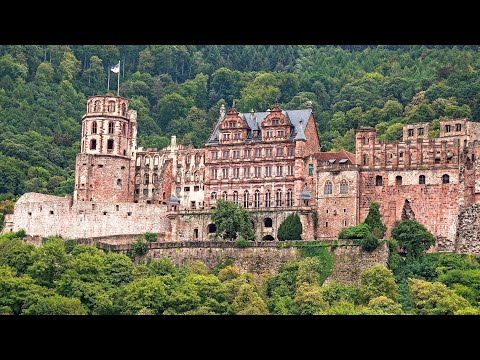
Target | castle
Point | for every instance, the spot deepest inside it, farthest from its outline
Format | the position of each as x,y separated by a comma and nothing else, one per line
269,163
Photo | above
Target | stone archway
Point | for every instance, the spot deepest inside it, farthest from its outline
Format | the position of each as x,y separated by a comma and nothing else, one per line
268,238
268,222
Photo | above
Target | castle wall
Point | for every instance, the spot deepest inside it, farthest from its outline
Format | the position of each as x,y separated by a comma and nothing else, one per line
44,215
468,235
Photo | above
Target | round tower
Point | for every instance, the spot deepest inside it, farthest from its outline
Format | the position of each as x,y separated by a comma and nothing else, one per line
103,168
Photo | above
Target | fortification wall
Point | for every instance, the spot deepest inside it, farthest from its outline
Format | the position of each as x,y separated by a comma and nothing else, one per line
468,234
44,215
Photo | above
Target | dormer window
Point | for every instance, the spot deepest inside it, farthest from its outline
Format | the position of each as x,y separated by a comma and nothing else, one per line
231,124
275,122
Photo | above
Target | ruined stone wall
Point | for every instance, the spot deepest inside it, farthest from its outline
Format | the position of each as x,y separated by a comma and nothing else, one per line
468,234
435,204
350,261
45,215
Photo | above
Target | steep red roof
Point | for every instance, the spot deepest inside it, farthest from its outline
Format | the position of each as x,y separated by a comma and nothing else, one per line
338,155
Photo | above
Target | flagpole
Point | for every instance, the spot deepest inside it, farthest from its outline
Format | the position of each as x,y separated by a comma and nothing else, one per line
118,78
108,86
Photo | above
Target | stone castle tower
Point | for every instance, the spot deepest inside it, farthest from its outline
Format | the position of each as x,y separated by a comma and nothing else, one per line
105,168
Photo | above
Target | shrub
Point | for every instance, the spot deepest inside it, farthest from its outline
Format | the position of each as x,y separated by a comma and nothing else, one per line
241,243
21,233
291,228
413,237
139,247
369,243
359,231
69,245
384,305
150,237
374,221
378,281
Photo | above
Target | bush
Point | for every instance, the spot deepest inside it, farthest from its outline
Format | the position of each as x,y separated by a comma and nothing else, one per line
150,237
359,231
369,243
413,237
291,228
241,243
69,245
374,221
139,247
21,234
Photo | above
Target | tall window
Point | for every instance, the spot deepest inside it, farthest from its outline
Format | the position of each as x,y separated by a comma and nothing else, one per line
245,199
110,144
94,127
258,152
365,159
96,107
235,197
328,188
246,172
378,181
343,186
268,171
225,196
269,133
267,198
421,179
214,195
448,128
111,106
147,160
280,151
290,170
279,170
214,173
280,133
225,154
279,198
445,179
398,180
93,144
224,173
246,153
236,154
420,131
124,109
458,127
256,202
268,152
124,130
291,151
289,198
236,173
410,132
110,127
310,169
214,155
258,172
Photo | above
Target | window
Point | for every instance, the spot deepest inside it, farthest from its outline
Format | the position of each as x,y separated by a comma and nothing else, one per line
280,152
267,198
246,153
258,172
289,198
280,133
268,152
410,132
268,171
111,106
290,170
147,160
96,107
110,144
236,173
195,234
268,222
310,169
236,154
93,144
364,140
421,179
225,196
124,129
124,109
327,190
275,122
214,155
146,179
226,136
246,172
291,151
235,197
378,181
365,159
326,224
256,199
445,179
279,170
258,152
245,199
345,223
343,186
279,198
398,180
186,189
145,191
213,196
193,205
119,182
110,127
225,154
94,127
117,207
155,161
447,128
214,173
196,188
224,173
231,124
420,131
236,136
269,134
401,154
458,127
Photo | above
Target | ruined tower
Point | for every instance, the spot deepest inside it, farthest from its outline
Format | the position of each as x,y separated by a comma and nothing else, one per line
105,168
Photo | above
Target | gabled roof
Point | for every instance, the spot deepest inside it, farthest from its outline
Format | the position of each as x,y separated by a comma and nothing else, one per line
256,119
337,156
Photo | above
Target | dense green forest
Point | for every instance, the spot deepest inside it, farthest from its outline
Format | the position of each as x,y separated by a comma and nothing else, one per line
179,90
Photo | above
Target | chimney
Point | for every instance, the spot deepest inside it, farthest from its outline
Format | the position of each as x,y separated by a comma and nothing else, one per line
222,110
173,142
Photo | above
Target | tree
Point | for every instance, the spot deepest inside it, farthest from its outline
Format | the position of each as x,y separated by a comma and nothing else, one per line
385,305
413,237
378,281
56,305
118,269
248,302
337,291
290,228
232,220
48,262
309,299
374,220
15,253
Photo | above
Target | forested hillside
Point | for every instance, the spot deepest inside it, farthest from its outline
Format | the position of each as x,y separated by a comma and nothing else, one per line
179,90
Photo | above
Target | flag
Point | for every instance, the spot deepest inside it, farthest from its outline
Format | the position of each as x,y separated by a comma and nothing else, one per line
116,68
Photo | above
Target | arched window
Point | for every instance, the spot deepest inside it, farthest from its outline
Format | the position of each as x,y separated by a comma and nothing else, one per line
138,161
267,198
146,178
110,144
289,198
147,160
212,228
96,106
111,106
235,197
110,127
93,144
378,181
268,222
328,188
155,161
445,179
245,199
155,178
94,127
256,202
343,186
279,198
225,196
124,129
398,180
137,179
213,196
124,109
365,159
